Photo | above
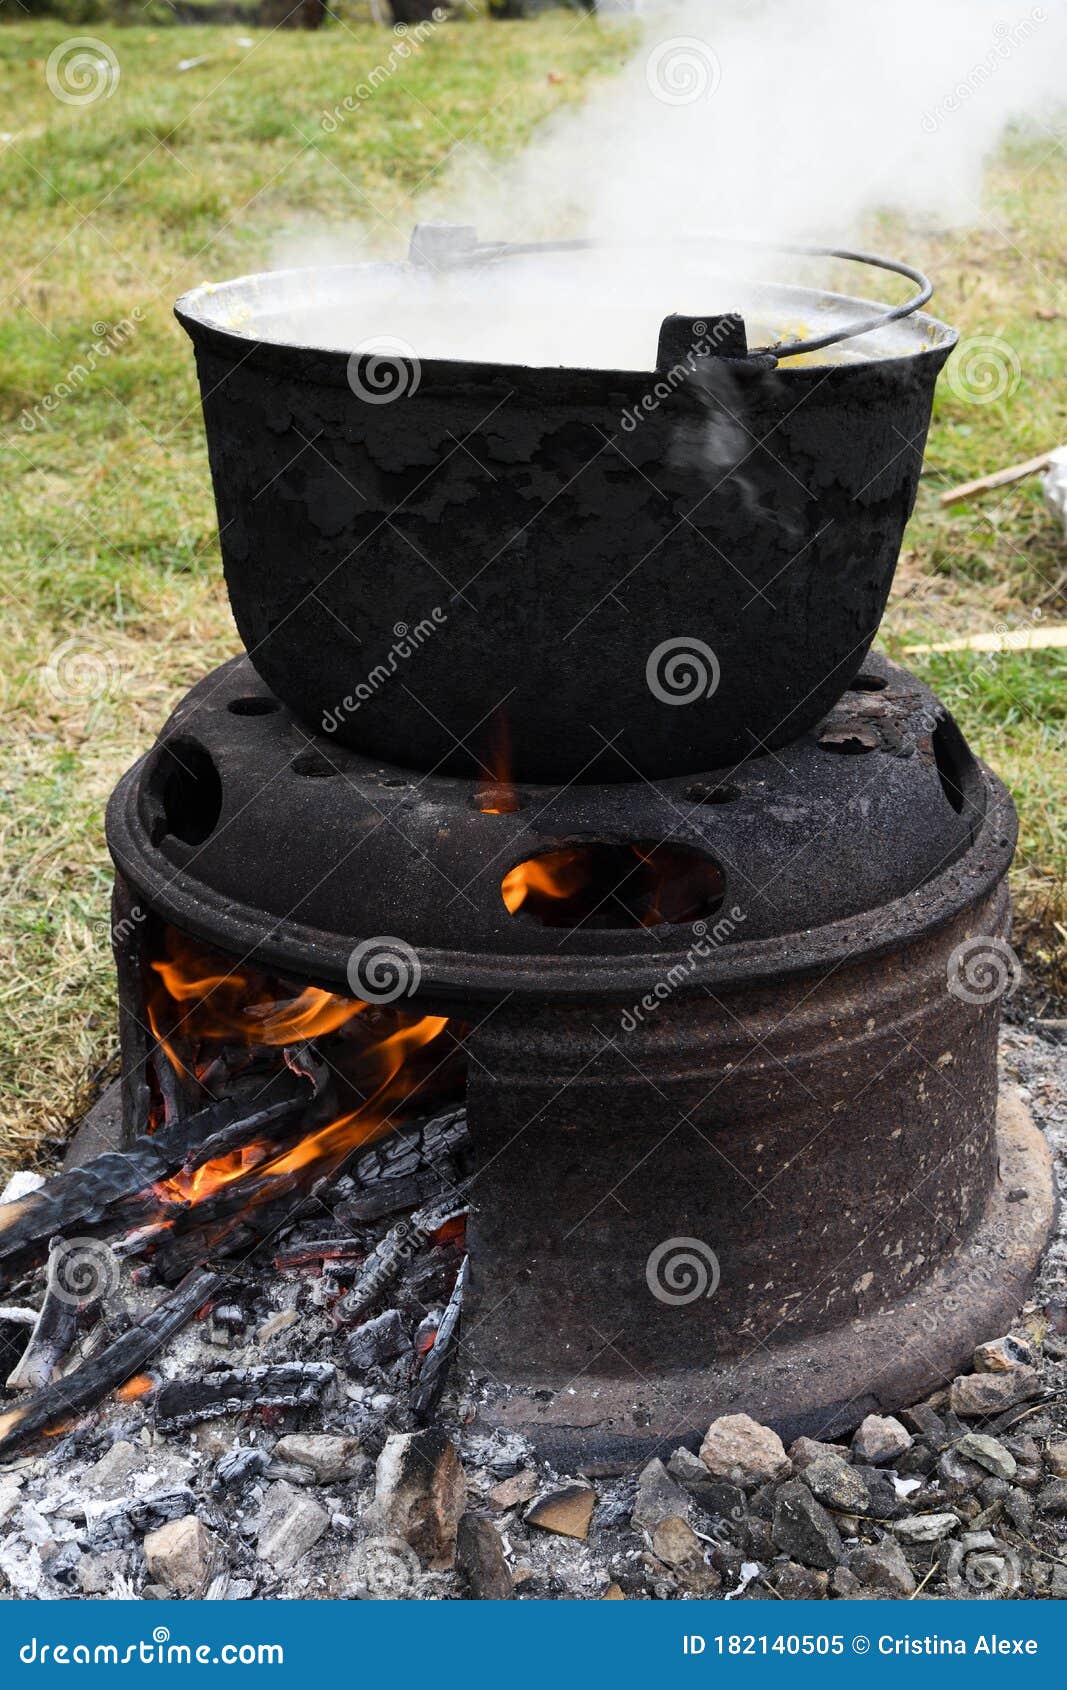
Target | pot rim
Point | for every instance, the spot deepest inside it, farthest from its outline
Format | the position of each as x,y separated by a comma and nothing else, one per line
197,312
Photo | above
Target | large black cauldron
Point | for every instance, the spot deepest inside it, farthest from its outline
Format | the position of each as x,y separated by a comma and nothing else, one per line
633,571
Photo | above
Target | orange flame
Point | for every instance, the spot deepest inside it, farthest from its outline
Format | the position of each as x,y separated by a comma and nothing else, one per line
558,874
138,1386
215,1006
496,794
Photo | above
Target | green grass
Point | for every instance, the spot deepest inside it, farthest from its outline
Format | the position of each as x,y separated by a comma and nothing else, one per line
111,600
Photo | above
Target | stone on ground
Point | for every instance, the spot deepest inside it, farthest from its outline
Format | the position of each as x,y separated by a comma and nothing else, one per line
739,1449
803,1529
290,1523
328,1458
420,1494
480,1558
974,1395
566,1511
880,1439
182,1556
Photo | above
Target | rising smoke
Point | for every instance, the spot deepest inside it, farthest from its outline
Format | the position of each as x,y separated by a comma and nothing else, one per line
776,119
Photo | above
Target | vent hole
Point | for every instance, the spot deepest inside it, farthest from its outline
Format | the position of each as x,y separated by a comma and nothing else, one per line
868,683
252,706
603,885
186,787
950,755
701,792
313,765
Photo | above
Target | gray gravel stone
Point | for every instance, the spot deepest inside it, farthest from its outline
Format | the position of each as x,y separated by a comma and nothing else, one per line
986,1452
803,1529
837,1485
881,1569
925,1528
658,1497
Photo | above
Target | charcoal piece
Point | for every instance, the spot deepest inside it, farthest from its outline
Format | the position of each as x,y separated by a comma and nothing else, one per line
394,1196
102,1373
325,1250
237,1466
419,1147
434,1370
117,1523
377,1342
186,1402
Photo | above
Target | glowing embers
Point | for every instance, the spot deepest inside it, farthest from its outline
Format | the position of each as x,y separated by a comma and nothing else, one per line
614,885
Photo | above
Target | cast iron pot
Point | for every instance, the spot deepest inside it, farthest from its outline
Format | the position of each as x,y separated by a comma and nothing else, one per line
583,573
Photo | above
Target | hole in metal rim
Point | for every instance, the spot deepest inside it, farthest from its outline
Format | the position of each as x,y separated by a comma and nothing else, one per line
502,800
614,885
710,792
313,765
868,683
253,706
185,791
951,758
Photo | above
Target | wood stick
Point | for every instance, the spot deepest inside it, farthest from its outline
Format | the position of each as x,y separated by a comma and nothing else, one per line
434,1370
128,1355
998,478
55,1329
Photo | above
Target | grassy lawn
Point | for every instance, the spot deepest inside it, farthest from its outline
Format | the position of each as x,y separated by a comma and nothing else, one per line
111,600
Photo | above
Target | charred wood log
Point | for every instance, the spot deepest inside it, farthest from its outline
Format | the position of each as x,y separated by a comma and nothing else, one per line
115,1190
121,1360
434,1370
56,1326
385,1262
298,1384
320,1250
417,1165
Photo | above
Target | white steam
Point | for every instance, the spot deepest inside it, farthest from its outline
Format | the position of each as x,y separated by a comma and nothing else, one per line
774,119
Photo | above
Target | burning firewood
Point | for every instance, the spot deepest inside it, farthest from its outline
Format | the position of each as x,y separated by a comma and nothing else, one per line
128,1355
115,1190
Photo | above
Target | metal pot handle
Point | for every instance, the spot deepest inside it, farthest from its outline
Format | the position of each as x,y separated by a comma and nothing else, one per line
446,245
